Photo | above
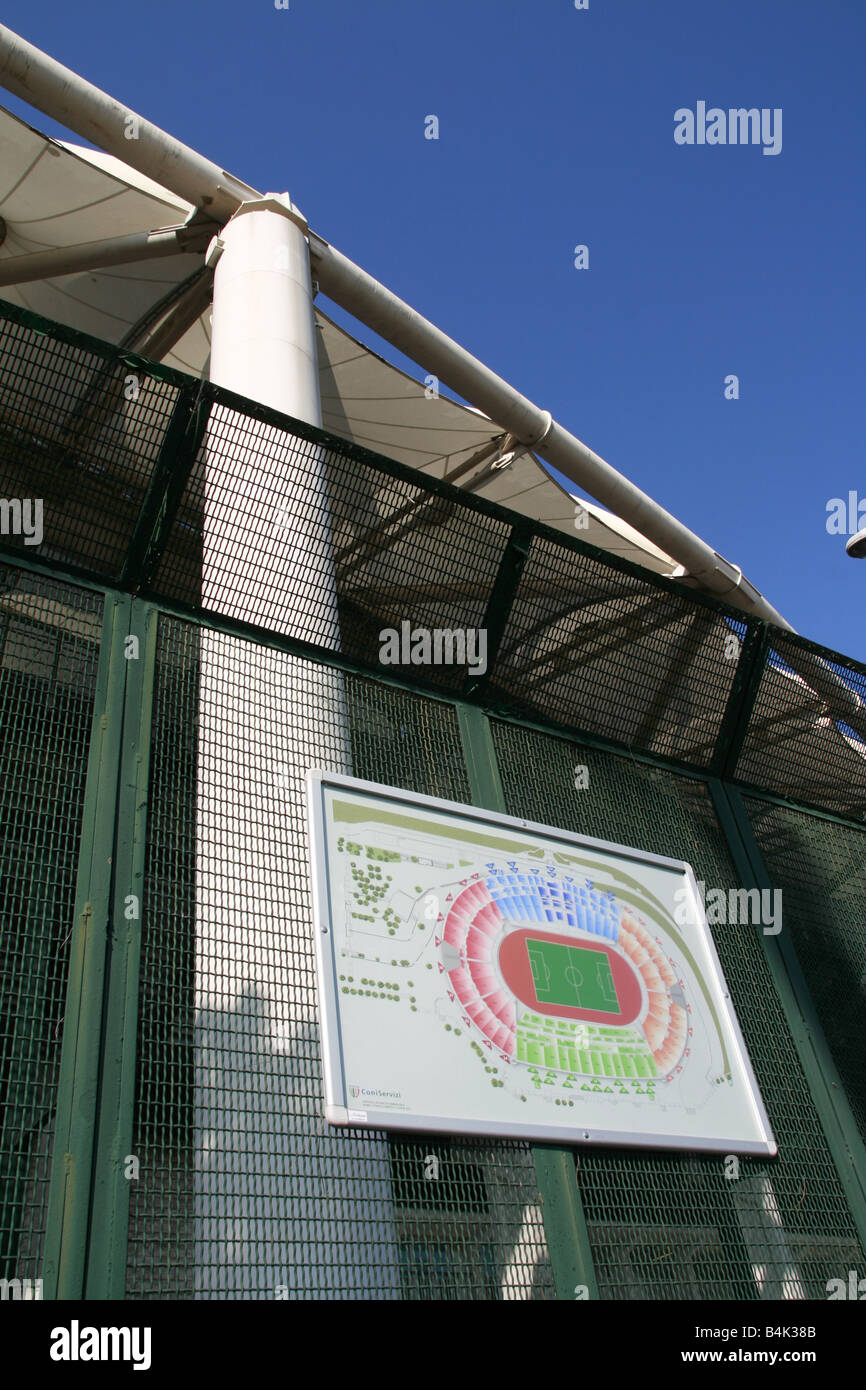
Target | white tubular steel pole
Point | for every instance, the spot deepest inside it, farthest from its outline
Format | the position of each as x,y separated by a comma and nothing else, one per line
264,328
276,1212
399,324
96,255
357,292
42,82
157,340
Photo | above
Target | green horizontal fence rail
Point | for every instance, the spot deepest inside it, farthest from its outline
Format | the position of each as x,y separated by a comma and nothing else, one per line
700,744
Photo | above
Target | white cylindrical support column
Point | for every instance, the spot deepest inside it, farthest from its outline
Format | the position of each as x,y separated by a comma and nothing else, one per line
278,1211
264,329
268,553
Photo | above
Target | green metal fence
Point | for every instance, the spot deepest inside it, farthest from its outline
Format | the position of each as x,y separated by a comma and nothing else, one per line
820,865
314,1214
49,653
162,1133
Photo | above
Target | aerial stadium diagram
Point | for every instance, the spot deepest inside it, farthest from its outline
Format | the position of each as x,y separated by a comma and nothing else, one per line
481,972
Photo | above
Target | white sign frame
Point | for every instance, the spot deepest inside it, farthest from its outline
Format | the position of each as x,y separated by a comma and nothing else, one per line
588,1116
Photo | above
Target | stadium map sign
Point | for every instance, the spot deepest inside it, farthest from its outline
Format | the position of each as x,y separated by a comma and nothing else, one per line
479,974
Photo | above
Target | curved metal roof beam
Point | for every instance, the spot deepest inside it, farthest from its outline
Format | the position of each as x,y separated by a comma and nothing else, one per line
155,335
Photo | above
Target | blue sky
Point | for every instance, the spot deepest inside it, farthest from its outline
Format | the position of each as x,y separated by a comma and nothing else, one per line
556,128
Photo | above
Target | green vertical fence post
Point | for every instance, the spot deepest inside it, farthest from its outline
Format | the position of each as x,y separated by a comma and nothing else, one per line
114,1167
75,1121
564,1220
838,1123
741,701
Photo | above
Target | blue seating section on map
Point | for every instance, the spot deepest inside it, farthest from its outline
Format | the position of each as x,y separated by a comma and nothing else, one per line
554,902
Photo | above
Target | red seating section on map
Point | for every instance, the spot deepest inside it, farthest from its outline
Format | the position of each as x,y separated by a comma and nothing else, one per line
666,1024
472,927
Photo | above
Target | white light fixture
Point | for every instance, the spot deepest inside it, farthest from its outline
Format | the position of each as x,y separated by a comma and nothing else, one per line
856,546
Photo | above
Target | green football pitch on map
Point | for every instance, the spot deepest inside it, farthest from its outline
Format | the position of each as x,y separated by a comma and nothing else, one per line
571,975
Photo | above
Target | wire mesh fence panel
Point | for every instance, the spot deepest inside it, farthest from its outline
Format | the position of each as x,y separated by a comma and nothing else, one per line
467,1219
820,867
79,435
795,745
410,565
580,628
244,1191
49,652
274,523
311,542
467,1215
674,1226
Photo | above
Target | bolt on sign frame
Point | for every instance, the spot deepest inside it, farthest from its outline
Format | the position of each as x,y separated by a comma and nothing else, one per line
576,977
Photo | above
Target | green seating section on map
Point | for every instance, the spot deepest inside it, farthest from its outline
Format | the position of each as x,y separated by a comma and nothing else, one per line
586,1049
